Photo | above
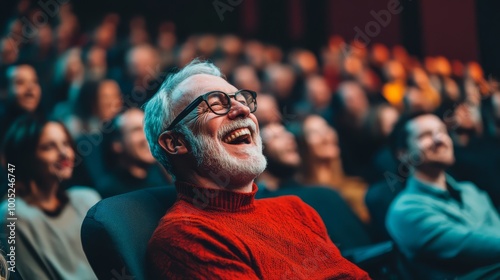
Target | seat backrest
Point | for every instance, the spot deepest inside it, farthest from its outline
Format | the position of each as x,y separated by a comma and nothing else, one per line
116,231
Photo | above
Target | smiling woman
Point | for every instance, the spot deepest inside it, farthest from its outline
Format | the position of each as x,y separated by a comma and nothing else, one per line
48,216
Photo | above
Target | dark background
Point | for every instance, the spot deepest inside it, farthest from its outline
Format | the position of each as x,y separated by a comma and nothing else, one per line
464,29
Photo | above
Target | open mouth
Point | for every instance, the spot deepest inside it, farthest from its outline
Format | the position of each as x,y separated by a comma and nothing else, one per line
238,136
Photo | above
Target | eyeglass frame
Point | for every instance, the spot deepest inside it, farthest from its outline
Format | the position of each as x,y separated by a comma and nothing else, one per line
195,103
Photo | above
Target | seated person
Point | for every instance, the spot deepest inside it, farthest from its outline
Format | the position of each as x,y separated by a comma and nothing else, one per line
449,228
283,161
322,163
41,155
203,130
282,156
128,157
24,95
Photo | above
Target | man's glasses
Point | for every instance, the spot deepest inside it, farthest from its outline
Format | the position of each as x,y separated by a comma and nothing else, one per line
219,103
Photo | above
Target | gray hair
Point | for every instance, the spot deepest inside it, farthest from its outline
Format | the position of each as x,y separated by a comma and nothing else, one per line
158,112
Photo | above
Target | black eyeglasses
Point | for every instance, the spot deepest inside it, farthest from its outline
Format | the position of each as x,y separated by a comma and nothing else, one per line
219,103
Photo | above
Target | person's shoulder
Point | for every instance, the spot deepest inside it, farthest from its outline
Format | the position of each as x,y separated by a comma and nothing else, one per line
408,201
83,196
21,210
469,187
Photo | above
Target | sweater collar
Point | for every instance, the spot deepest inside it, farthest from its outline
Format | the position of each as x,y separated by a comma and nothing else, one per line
216,199
417,185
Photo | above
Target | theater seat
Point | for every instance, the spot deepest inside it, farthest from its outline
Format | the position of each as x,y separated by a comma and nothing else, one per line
116,231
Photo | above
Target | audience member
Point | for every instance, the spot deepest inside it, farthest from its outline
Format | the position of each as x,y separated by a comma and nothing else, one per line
42,155
450,228
321,164
213,149
24,95
283,160
351,108
96,103
130,163
477,157
268,110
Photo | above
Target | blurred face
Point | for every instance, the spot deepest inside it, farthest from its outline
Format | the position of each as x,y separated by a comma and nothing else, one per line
254,54
280,145
475,71
109,100
318,92
105,36
75,67
322,139
420,77
267,111
245,77
282,80
8,51
97,57
388,118
353,65
464,117
429,142
443,66
45,37
231,45
54,153
355,99
307,62
380,54
472,93
143,62
26,88
229,142
395,71
135,145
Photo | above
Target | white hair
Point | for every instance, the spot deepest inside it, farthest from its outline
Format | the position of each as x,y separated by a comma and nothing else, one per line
158,111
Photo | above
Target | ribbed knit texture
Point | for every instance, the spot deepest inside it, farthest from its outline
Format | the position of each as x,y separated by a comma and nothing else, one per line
219,234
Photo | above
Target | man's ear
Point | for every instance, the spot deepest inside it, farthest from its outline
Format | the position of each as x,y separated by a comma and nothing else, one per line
173,143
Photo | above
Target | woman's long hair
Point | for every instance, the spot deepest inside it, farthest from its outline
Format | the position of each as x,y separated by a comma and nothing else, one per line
19,149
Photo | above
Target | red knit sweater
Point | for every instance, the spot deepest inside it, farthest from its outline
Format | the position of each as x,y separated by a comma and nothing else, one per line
219,234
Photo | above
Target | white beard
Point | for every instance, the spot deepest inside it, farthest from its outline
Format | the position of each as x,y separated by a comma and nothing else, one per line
226,169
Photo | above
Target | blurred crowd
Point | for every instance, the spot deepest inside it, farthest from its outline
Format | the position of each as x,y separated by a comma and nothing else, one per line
326,115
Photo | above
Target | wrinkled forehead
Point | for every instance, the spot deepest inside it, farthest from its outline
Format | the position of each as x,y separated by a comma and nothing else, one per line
197,85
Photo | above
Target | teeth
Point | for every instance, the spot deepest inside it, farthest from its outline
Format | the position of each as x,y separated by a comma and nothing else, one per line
237,133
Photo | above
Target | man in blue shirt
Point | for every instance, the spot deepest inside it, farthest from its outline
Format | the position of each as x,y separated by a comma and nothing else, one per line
444,228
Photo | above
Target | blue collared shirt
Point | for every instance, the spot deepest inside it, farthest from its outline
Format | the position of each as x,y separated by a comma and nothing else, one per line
430,224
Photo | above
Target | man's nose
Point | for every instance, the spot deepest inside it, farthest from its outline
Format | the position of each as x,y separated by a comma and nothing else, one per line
238,110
